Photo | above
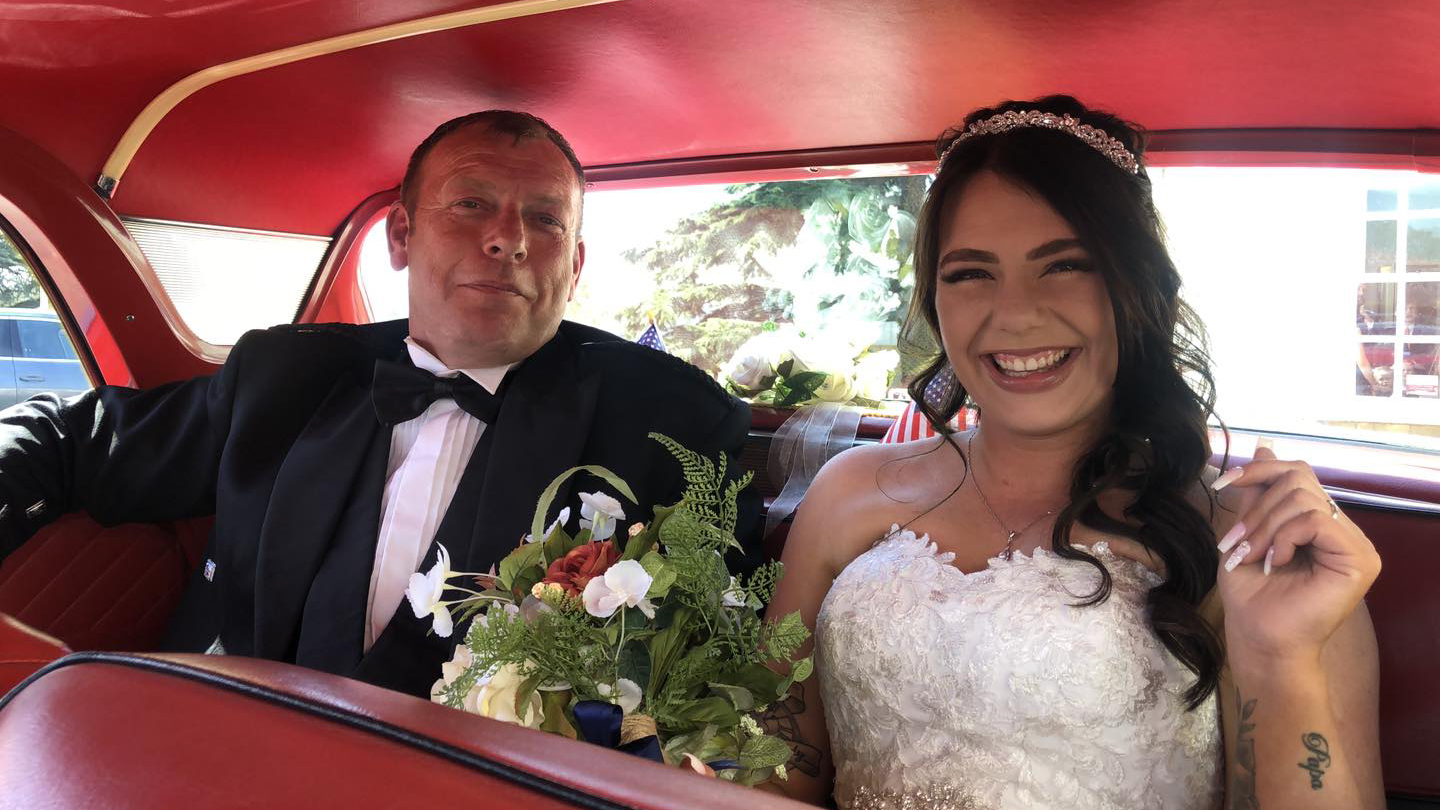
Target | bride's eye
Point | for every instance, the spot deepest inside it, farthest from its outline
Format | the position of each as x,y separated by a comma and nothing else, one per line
1069,265
963,274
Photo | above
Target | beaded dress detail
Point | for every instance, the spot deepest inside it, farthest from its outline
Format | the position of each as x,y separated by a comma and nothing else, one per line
989,691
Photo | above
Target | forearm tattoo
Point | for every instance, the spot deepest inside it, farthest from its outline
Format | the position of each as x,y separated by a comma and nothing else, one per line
1319,759
782,719
1242,792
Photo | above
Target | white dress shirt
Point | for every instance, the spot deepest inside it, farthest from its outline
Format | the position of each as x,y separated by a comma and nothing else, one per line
417,494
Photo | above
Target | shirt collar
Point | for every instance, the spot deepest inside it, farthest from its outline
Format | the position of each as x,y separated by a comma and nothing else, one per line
489,378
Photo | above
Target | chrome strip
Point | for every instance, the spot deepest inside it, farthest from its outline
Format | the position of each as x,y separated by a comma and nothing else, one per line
1354,498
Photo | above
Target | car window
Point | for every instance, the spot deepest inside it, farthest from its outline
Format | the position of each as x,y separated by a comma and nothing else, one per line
38,354
225,281
43,340
1320,288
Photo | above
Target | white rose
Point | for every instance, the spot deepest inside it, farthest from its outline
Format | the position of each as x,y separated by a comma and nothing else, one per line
872,373
750,371
836,388
495,699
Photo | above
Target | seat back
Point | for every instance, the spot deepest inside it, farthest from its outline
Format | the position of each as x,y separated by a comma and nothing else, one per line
101,587
185,731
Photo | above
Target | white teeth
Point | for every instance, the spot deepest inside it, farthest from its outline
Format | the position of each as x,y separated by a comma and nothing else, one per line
1025,365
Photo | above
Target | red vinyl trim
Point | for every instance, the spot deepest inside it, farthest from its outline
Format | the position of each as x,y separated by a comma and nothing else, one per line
94,264
1349,148
334,294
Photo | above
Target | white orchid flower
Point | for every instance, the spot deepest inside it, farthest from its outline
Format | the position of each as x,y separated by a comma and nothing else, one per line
424,592
734,596
560,520
625,583
598,513
626,693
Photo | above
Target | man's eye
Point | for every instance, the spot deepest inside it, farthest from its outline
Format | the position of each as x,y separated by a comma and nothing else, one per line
551,221
468,203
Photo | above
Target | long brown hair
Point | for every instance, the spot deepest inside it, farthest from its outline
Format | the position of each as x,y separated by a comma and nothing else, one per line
1157,443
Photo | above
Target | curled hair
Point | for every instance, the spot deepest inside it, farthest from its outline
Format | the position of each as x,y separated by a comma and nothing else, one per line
1156,443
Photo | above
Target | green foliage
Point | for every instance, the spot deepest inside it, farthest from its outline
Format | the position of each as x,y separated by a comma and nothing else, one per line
18,287
701,661
723,274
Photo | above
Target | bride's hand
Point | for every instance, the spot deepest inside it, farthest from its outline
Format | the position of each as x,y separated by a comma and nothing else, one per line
1293,567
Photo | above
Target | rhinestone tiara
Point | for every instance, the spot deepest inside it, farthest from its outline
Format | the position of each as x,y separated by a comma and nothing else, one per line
1096,139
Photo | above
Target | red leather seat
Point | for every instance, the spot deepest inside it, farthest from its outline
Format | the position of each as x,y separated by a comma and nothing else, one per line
23,650
101,588
185,731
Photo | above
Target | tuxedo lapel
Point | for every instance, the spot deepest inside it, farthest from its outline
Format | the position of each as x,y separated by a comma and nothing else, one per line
544,419
332,462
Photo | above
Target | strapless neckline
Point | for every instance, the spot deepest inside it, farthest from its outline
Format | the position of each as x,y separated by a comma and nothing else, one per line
1100,548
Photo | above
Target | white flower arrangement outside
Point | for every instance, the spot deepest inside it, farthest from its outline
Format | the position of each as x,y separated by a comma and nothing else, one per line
625,583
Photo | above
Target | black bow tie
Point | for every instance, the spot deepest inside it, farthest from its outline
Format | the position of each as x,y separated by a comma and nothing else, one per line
402,392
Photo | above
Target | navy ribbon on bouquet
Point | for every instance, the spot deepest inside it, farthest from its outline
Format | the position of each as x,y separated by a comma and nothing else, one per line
599,723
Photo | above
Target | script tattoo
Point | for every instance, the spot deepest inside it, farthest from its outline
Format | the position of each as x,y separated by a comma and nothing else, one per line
1319,760
782,719
1242,785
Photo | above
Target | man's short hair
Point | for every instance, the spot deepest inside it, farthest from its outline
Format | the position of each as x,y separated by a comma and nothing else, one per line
518,125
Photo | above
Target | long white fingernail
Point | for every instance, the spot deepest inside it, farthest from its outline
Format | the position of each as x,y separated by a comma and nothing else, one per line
1232,537
1240,552
1266,442
1269,558
1227,478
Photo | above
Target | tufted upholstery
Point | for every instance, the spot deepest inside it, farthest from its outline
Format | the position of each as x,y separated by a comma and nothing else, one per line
101,588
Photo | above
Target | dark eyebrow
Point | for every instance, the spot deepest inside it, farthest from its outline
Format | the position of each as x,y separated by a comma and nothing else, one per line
969,255
1051,248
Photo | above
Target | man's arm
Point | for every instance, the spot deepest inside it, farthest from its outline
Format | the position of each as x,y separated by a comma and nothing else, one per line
119,454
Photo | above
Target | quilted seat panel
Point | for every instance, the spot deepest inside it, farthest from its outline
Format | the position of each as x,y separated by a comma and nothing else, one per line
98,587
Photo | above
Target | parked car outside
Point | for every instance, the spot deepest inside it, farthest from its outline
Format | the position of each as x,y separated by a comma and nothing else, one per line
36,357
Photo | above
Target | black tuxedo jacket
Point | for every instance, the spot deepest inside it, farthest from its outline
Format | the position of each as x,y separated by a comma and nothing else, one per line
283,446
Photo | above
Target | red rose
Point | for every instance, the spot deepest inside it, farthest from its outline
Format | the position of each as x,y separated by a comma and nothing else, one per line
575,570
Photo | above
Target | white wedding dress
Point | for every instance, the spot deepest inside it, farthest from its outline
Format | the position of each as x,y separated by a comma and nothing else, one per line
988,691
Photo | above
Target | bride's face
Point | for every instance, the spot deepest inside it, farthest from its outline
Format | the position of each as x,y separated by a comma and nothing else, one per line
1025,317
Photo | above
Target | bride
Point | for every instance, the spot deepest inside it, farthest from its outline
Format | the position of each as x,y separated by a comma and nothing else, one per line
1065,607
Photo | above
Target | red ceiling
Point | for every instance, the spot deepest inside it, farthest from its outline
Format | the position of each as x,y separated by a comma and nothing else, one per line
296,147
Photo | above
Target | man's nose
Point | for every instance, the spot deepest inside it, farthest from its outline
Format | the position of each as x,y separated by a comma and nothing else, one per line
506,240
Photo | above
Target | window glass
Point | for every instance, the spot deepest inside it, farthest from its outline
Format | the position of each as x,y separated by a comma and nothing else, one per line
1278,262
224,281
43,340
1274,285
1380,246
39,356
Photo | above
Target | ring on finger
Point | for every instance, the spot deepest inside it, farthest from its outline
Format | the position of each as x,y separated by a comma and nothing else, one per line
1334,509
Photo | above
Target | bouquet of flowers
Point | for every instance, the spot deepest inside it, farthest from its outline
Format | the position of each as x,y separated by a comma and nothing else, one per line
649,645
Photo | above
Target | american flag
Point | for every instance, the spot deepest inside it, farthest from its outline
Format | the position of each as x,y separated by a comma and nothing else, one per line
911,425
651,337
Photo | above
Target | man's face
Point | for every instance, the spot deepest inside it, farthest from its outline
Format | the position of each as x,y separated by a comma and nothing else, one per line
493,247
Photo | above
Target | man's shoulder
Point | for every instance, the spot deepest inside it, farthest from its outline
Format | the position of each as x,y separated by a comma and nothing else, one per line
644,370
309,339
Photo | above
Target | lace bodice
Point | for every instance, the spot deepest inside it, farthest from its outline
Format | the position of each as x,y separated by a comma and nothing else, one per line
990,691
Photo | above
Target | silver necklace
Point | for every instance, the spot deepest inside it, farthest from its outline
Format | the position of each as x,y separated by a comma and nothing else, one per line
1010,534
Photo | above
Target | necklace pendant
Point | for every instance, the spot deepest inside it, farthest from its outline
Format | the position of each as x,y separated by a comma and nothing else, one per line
1011,538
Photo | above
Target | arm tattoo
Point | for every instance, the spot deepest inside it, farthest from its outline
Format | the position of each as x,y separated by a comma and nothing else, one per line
782,719
1242,786
1319,760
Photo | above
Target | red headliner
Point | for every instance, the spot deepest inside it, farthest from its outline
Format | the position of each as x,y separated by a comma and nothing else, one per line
295,148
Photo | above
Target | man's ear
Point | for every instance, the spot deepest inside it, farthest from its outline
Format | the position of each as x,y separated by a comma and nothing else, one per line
579,265
397,235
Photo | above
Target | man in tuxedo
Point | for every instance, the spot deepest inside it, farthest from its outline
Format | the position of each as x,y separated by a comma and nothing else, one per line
335,457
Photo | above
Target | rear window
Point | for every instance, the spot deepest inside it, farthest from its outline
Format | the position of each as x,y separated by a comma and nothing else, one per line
1320,287
225,281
